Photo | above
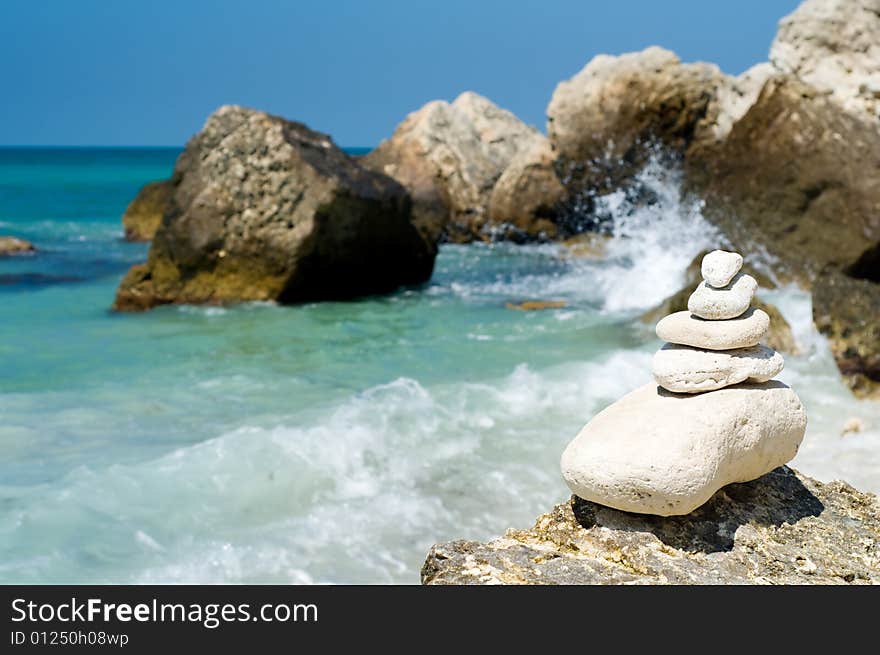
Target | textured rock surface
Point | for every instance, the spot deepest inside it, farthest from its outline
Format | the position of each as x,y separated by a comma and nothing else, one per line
796,179
266,209
685,370
657,452
721,304
834,45
741,332
847,311
144,214
779,336
719,266
15,246
527,195
449,157
600,120
783,528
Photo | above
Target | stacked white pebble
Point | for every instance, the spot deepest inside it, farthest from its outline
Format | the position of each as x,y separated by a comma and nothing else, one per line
716,342
666,450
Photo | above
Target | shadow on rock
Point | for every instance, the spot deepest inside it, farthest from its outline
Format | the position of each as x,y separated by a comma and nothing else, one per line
773,499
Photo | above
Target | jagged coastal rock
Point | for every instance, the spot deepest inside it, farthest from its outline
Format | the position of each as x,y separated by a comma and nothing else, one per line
450,155
15,246
601,120
666,450
144,214
834,45
267,209
783,528
847,311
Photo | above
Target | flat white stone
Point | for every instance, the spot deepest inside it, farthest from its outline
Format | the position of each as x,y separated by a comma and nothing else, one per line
719,267
689,330
655,452
683,369
728,302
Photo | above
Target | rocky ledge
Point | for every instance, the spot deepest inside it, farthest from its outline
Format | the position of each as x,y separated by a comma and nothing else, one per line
783,528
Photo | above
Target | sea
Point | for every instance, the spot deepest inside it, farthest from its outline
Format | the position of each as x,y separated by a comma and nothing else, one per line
330,442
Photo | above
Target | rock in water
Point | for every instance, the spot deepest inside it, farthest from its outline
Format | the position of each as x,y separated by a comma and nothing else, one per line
719,304
719,266
682,369
144,214
656,452
688,330
15,246
783,528
267,209
449,157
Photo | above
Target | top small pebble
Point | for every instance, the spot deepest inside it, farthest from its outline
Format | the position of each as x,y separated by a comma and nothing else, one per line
719,267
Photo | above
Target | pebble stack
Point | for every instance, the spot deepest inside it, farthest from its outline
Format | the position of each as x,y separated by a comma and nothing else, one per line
717,416
716,343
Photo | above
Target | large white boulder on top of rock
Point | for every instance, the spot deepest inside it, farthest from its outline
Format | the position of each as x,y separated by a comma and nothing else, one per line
689,330
721,304
683,369
834,45
655,452
719,266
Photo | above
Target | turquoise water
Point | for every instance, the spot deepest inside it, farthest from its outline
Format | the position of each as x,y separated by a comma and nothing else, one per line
330,442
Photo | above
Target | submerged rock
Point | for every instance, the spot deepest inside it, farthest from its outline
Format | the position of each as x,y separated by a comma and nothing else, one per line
15,246
847,311
783,528
657,452
449,156
267,209
144,214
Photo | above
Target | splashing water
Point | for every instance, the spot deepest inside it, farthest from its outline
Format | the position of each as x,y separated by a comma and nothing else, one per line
335,442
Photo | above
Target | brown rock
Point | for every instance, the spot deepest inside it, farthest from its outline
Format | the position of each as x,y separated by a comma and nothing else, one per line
847,311
144,214
450,155
267,209
533,305
15,246
797,178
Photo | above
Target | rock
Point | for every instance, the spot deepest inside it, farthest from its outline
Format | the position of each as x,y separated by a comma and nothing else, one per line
867,266
719,304
449,157
604,120
656,452
681,369
741,332
779,336
796,182
267,209
784,528
587,245
852,426
847,312
532,305
834,45
719,266
144,214
526,197
15,246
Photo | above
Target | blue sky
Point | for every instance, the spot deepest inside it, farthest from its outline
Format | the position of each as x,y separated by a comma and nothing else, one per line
120,72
